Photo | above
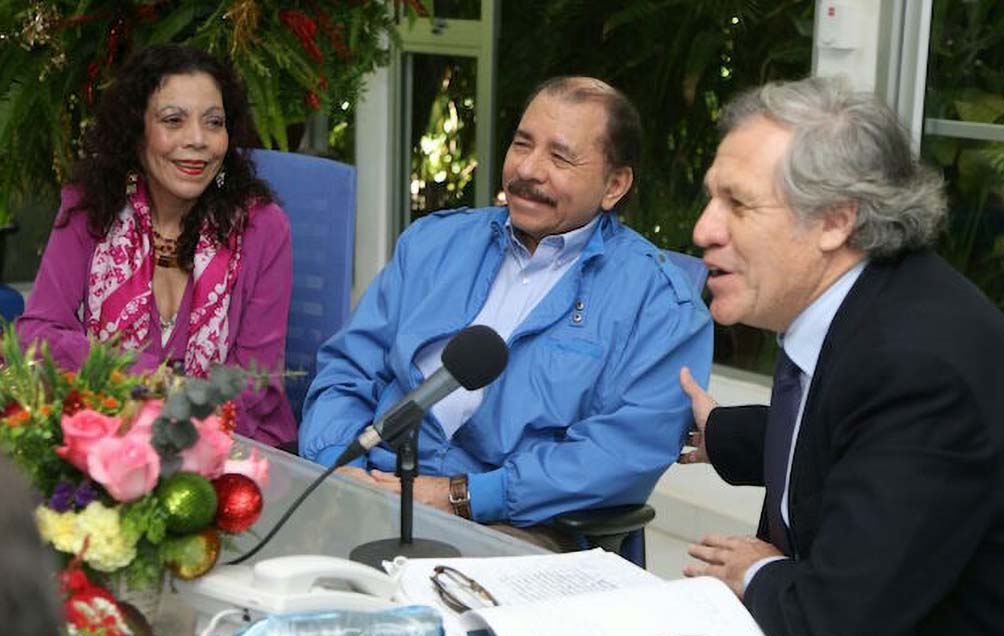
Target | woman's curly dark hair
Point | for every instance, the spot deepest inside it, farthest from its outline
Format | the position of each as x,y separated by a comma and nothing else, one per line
112,146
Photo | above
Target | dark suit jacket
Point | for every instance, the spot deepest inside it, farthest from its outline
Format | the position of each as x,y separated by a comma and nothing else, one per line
896,495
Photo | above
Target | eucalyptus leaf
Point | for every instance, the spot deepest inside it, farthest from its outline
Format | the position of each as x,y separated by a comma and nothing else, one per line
177,407
182,434
202,411
170,463
161,442
229,381
198,391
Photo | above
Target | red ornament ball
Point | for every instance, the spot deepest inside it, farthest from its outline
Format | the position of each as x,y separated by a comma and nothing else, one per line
239,502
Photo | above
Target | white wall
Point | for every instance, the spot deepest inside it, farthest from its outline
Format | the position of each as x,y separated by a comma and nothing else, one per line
846,40
373,170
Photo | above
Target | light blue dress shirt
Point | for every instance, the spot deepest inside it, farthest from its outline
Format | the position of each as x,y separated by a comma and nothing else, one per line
802,342
523,280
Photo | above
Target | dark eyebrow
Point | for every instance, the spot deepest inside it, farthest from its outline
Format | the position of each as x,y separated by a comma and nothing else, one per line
171,107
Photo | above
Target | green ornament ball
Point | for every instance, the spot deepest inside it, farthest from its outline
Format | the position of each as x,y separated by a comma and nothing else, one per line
192,555
189,500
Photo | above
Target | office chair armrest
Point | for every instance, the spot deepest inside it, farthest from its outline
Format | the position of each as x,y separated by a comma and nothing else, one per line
599,522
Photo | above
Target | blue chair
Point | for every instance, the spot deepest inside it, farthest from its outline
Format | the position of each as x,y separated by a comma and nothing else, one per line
693,267
319,196
11,303
621,529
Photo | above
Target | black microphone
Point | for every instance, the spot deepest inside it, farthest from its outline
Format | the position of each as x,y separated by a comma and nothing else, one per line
472,359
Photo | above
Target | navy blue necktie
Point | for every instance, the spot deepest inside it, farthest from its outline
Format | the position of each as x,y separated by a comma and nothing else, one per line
785,398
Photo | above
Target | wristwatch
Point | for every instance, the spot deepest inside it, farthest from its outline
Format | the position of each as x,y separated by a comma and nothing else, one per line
460,496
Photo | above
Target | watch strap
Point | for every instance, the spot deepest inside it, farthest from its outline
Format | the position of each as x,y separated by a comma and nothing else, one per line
460,496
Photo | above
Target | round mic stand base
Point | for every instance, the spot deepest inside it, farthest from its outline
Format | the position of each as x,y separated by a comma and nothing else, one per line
374,552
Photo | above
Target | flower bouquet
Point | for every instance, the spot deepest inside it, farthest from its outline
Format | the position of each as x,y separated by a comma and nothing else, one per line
134,474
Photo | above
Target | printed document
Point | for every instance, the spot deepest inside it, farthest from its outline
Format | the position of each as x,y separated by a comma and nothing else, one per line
589,593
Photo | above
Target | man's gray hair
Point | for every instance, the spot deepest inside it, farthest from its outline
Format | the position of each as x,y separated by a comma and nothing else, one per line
848,146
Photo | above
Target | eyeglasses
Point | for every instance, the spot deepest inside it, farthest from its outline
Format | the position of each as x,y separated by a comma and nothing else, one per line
452,585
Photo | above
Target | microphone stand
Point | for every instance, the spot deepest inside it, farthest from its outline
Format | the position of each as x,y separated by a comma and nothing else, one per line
374,552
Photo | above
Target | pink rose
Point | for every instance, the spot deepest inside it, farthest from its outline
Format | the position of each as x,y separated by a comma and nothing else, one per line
83,430
210,451
143,422
127,467
254,467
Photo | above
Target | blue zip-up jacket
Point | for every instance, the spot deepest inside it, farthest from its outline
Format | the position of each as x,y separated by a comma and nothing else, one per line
588,411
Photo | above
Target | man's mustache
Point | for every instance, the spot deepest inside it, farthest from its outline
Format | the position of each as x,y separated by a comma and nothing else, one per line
526,190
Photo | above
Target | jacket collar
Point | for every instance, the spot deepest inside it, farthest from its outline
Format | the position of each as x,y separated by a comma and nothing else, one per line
606,229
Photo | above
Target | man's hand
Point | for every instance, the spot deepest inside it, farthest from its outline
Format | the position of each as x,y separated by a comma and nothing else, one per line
358,474
728,558
701,405
432,491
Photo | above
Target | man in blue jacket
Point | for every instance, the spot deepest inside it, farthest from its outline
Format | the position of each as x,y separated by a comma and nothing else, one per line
588,412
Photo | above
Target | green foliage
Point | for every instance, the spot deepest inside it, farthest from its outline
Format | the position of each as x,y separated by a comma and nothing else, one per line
144,518
678,60
443,143
146,569
20,379
966,83
105,364
56,57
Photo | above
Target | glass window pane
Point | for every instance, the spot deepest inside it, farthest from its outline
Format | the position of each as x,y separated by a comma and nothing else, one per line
443,133
965,83
457,9
965,76
973,240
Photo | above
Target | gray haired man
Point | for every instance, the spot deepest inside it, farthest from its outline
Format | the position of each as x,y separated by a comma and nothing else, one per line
882,451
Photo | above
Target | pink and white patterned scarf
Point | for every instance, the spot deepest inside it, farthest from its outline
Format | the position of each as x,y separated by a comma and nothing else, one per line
120,287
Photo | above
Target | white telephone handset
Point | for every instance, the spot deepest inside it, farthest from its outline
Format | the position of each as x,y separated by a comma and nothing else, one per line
300,583
294,575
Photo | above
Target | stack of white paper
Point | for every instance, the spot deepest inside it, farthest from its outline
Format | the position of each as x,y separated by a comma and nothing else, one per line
594,593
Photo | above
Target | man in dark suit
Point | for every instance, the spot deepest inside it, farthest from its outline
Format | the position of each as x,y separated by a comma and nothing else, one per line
883,449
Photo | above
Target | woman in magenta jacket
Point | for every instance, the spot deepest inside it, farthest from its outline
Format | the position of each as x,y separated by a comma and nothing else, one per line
167,240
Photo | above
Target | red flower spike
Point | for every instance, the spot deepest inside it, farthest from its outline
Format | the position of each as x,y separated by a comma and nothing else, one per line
305,29
18,416
312,101
11,409
228,417
72,402
146,12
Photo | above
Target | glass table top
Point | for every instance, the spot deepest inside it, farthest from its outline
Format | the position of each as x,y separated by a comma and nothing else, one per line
338,516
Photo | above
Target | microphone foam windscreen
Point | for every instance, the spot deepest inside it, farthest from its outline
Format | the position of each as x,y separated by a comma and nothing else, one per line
475,356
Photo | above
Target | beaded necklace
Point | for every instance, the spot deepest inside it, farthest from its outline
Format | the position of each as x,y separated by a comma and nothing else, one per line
166,250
